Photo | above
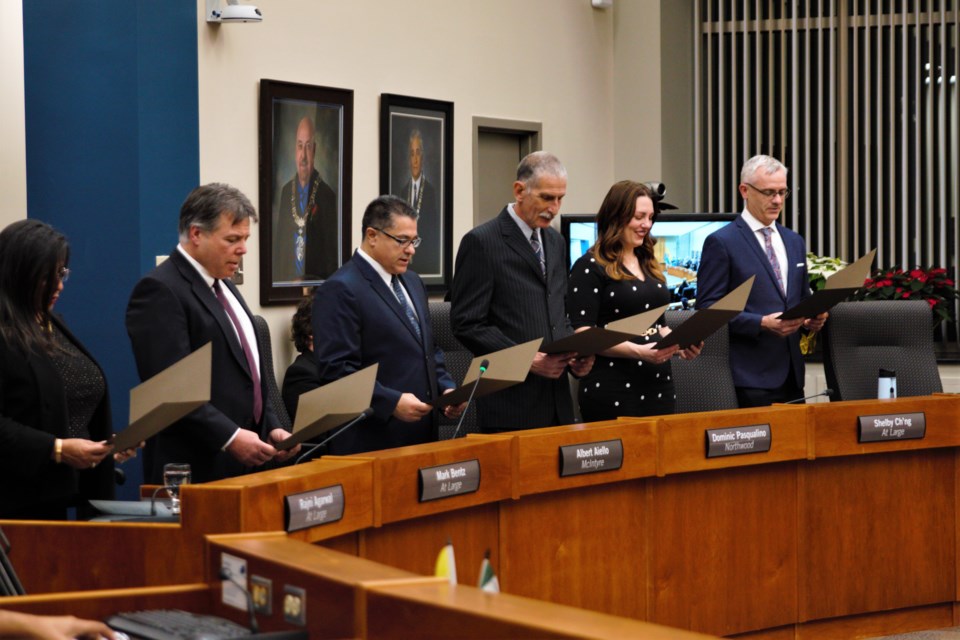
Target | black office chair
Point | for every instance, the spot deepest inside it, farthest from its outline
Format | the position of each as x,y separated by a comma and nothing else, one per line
860,338
704,383
262,330
457,359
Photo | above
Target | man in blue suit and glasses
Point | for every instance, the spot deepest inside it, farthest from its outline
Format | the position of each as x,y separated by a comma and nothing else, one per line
765,356
374,310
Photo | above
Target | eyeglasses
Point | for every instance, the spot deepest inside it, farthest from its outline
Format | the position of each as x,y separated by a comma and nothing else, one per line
63,273
769,193
403,242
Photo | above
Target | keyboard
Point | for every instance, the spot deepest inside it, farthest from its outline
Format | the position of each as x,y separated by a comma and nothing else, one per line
174,624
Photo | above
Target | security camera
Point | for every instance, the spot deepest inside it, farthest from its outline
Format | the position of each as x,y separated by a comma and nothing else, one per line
233,12
659,191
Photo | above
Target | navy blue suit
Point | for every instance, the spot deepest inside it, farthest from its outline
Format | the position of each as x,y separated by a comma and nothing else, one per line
358,321
758,358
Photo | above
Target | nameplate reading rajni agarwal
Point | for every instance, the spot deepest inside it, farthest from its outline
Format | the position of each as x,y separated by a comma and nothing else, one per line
892,426
448,480
735,441
591,457
313,508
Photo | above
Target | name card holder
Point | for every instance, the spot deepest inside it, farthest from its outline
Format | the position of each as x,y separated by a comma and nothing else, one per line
591,457
449,480
738,441
313,508
892,426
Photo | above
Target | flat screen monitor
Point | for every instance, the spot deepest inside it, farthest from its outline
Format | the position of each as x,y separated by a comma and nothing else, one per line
679,237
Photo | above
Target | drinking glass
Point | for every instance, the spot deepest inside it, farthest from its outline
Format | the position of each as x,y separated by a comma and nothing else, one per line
174,475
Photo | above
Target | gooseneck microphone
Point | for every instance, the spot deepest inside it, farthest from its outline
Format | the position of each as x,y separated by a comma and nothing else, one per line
363,416
226,574
825,392
476,383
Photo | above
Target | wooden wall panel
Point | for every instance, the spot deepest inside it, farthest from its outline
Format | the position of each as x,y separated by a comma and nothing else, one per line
723,551
878,533
584,548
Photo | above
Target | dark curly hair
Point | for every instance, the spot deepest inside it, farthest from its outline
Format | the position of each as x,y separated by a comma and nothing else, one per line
301,331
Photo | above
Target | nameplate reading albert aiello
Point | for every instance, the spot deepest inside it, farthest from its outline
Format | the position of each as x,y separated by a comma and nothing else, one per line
893,426
313,508
448,480
736,441
591,457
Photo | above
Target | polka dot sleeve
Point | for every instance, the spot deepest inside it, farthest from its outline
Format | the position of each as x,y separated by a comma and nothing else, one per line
587,282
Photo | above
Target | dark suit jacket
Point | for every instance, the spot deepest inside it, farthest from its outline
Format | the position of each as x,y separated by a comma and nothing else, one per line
357,321
320,233
33,413
758,358
172,313
500,298
429,227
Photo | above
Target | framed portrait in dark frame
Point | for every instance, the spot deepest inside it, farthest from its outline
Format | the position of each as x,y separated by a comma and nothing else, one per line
306,182
416,164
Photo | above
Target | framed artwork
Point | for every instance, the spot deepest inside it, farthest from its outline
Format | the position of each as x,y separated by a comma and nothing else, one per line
306,179
416,164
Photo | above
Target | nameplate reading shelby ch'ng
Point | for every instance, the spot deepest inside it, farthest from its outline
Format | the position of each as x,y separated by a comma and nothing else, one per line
448,480
892,426
591,457
735,441
313,508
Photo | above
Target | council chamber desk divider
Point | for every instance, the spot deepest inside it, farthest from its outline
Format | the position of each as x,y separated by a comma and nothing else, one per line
825,520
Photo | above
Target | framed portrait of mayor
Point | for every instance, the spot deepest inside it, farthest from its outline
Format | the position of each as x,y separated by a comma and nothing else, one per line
416,164
306,160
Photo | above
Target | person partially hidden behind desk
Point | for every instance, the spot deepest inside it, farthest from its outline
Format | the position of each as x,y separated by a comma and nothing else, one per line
302,374
54,410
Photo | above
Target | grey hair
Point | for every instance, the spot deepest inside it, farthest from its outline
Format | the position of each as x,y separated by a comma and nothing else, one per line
539,164
768,164
379,213
206,203
415,135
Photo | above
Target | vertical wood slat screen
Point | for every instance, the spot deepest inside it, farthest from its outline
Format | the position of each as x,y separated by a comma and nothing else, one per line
858,98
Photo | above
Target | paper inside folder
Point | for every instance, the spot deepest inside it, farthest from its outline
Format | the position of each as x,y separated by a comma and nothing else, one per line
157,403
505,368
332,405
838,288
705,322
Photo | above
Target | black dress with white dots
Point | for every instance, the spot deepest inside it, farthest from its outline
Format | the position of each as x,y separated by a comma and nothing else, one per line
618,386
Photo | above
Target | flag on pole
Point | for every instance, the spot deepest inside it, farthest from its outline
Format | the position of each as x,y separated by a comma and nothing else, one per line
446,564
488,579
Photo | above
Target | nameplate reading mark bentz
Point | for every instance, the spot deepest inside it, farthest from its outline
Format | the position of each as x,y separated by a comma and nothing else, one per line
736,441
591,457
313,508
448,480
892,426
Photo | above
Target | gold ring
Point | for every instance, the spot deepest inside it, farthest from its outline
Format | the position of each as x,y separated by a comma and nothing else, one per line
93,465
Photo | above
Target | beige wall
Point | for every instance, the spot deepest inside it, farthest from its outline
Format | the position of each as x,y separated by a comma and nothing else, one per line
13,159
550,61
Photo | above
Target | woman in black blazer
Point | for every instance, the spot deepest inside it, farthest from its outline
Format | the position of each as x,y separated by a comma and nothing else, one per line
54,409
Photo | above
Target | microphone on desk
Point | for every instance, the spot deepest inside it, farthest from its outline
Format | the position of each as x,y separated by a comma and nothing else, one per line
226,574
363,416
825,392
483,369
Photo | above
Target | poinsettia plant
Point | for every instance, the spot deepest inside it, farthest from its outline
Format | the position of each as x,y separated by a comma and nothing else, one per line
932,285
819,268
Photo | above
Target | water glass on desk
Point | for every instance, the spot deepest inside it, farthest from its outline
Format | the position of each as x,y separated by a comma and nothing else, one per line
174,475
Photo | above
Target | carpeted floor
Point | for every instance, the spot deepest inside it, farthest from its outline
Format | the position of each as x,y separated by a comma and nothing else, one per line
952,633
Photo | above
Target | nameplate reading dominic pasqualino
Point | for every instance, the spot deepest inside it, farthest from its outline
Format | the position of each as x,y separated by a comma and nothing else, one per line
893,426
591,457
735,441
313,508
448,480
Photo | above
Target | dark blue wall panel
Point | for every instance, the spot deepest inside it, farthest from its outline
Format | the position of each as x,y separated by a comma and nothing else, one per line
112,149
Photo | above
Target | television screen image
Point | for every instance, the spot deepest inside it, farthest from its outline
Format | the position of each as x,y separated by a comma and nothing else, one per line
679,237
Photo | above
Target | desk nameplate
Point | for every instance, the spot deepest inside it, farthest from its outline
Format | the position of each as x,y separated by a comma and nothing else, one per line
891,426
736,441
591,457
449,480
313,508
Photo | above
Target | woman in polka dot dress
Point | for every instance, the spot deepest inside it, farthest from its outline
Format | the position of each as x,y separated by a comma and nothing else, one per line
619,277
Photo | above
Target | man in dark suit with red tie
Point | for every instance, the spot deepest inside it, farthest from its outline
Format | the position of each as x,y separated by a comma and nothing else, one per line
765,354
182,305
374,310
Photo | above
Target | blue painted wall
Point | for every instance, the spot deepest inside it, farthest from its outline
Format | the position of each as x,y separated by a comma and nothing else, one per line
112,149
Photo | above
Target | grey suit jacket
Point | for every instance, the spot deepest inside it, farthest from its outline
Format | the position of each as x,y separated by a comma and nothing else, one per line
500,298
